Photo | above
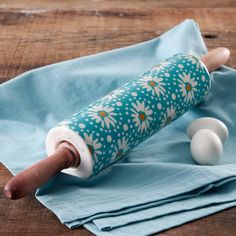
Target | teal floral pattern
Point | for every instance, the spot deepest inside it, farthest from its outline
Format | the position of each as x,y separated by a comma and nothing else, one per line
118,122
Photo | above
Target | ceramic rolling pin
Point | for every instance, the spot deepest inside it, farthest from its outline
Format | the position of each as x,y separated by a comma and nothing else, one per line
99,135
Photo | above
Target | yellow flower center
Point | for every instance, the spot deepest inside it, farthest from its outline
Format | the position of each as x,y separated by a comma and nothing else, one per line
102,113
152,83
188,87
142,116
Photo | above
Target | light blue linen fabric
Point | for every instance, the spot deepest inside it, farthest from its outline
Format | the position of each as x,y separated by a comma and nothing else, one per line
159,177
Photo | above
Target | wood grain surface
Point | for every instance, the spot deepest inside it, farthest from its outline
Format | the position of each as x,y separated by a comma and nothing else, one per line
37,33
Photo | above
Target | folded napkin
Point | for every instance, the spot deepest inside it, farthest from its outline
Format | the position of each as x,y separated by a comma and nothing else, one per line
157,185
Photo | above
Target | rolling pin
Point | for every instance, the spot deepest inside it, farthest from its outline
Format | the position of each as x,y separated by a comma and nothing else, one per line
98,136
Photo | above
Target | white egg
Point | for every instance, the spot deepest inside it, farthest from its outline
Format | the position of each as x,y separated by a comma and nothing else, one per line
206,147
210,123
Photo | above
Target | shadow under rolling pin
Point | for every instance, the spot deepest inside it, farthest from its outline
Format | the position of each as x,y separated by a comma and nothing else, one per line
67,155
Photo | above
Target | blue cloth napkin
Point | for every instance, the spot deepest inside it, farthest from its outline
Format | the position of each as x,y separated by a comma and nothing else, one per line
157,185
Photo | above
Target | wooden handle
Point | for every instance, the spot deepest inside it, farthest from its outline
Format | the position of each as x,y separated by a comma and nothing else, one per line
35,176
216,58
66,155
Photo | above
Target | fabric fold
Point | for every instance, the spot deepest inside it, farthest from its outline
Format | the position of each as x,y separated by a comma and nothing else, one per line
157,185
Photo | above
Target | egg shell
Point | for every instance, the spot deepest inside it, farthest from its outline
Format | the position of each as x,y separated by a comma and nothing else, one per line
206,147
210,123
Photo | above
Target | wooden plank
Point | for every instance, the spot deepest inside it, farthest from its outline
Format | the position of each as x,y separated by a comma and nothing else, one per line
28,217
32,38
108,4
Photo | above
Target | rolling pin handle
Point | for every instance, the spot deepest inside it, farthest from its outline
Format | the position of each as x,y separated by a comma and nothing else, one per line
38,174
216,58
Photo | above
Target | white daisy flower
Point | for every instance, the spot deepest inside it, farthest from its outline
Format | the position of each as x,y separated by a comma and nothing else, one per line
187,87
93,145
162,65
66,122
120,149
103,115
141,115
155,85
115,93
169,116
192,59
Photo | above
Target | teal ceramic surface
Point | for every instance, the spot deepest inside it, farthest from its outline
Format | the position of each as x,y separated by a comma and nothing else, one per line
123,119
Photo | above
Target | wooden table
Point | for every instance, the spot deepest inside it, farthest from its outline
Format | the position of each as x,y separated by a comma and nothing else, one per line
37,33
